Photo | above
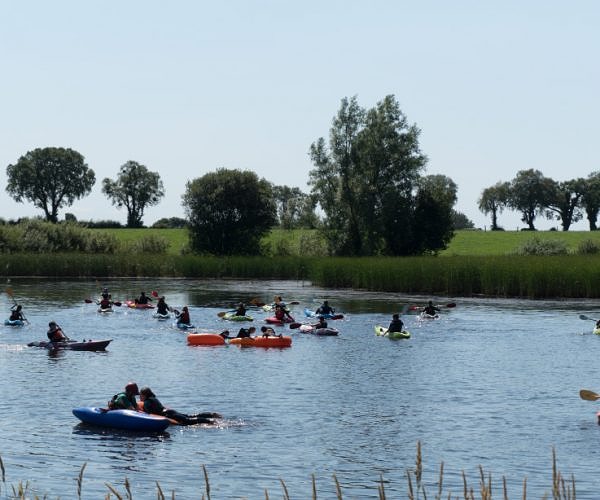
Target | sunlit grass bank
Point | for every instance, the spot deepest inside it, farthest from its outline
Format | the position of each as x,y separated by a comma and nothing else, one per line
572,276
416,486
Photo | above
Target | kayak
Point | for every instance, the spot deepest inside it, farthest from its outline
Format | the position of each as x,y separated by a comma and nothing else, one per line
134,305
14,322
86,345
311,314
185,326
596,330
276,321
205,339
235,317
380,331
122,419
105,310
161,317
326,332
263,341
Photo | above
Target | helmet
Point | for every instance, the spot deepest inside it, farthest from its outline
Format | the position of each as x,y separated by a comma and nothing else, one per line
132,388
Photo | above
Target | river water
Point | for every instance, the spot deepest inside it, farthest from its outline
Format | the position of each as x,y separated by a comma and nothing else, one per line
492,383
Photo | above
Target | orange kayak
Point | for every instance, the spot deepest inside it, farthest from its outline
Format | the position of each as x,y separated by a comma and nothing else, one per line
263,341
205,339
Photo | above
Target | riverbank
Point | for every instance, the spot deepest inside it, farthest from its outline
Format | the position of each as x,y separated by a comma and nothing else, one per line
569,276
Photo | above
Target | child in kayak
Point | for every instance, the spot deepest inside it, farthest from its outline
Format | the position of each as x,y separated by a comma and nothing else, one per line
143,299
152,405
268,331
162,307
16,313
184,316
430,309
321,324
245,332
396,325
241,310
281,312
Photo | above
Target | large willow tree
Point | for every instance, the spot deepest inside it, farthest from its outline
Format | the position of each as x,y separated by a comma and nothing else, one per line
367,183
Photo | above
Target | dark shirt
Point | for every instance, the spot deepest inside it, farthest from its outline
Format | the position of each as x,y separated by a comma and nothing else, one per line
325,309
243,333
396,325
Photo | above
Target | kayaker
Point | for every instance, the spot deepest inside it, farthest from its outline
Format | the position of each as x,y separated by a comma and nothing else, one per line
142,299
224,334
430,309
125,400
55,333
321,324
245,332
241,310
281,312
152,405
16,313
396,325
105,302
325,308
162,307
268,331
184,316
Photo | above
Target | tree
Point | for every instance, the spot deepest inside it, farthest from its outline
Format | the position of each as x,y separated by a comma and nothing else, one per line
366,179
228,212
564,201
135,189
493,200
294,208
529,193
50,178
433,226
461,221
590,201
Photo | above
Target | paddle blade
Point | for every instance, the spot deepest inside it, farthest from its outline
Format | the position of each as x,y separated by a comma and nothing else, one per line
154,293
221,314
583,316
337,316
293,326
588,395
452,304
294,302
117,303
88,301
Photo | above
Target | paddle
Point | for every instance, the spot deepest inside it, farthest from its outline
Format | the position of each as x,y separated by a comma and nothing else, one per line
90,301
418,308
293,326
583,316
588,395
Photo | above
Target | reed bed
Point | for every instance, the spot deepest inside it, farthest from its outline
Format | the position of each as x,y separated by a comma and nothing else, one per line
560,488
573,276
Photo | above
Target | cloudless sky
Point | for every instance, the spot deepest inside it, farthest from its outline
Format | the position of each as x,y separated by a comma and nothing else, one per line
186,87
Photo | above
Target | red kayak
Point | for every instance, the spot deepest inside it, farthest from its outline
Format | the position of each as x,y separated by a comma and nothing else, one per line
275,321
134,305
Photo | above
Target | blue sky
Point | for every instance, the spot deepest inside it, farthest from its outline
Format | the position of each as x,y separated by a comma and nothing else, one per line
186,87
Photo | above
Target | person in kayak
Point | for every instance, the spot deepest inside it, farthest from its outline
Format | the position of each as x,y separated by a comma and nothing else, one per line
321,324
55,333
241,310
143,299
430,309
162,307
268,331
397,325
184,316
325,308
281,313
125,400
16,313
245,332
152,405
105,302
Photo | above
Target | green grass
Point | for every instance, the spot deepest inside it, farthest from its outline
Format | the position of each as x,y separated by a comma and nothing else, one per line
306,241
505,242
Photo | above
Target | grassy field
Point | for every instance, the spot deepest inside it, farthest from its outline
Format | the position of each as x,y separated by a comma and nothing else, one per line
309,243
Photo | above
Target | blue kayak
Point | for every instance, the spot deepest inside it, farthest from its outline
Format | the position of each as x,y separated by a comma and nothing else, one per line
14,322
121,419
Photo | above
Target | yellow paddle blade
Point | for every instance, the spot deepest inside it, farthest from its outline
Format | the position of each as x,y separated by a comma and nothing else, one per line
221,314
588,395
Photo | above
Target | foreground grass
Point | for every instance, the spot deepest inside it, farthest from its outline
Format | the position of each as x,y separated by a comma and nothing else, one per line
560,489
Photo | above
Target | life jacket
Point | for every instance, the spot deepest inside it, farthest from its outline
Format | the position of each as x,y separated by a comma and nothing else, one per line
105,303
55,335
279,313
112,404
184,317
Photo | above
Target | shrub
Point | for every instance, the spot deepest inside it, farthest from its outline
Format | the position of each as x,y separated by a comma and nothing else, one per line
537,246
588,247
149,244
